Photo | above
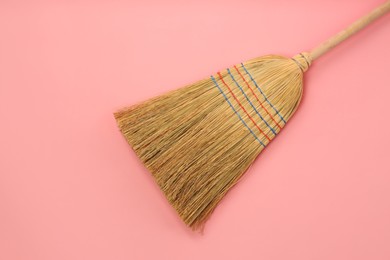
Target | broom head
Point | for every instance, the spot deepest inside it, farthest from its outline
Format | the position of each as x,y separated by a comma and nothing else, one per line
199,140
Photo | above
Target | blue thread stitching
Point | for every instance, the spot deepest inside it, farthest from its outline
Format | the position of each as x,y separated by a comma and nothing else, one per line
266,99
254,108
235,111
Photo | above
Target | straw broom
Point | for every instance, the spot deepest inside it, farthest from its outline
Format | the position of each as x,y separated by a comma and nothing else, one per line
199,140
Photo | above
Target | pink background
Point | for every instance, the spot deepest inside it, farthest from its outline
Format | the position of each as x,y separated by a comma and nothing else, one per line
71,188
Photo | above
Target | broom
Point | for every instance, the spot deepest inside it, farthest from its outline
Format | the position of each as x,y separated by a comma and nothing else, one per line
199,140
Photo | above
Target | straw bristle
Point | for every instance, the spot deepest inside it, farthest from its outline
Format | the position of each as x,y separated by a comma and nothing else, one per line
199,140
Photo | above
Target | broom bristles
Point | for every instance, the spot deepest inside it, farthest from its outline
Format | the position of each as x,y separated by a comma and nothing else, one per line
199,140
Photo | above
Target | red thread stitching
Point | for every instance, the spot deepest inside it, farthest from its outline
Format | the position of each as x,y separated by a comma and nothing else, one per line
261,104
242,107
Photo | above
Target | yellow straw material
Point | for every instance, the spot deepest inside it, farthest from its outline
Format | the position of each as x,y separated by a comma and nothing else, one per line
199,140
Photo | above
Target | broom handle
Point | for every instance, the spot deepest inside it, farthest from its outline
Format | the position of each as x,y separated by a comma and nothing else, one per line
349,31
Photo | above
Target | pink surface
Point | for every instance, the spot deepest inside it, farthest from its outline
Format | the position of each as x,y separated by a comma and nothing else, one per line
71,188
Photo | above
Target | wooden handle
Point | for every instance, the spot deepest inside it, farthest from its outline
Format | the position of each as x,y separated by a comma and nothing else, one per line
349,31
